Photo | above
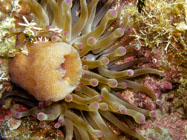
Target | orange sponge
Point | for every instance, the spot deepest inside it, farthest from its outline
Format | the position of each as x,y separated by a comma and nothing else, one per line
49,72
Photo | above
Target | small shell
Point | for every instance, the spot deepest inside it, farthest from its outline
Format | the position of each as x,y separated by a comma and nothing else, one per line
13,123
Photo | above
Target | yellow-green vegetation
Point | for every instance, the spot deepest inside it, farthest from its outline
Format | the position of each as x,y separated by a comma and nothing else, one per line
7,41
7,38
161,22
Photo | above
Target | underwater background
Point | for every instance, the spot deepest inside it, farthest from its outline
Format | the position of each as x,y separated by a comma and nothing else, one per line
131,82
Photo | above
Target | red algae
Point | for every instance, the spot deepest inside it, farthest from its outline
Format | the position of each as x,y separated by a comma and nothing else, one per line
170,125
5,115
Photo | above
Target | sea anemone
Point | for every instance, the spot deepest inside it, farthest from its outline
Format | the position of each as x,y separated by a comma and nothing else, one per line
74,63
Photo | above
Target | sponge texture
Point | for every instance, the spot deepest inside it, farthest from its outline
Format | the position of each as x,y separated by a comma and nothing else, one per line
49,72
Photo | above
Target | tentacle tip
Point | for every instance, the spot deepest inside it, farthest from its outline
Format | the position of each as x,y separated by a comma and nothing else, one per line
57,125
127,15
117,108
125,85
122,50
17,115
123,111
99,97
137,47
91,41
11,29
60,120
94,82
105,107
54,38
78,88
105,61
112,13
41,104
41,116
80,46
68,2
120,32
153,114
142,120
164,73
85,67
130,72
84,75
114,84
94,106
66,33
100,134
6,34
47,27
128,29
120,7
42,124
158,102
68,98
84,58
81,84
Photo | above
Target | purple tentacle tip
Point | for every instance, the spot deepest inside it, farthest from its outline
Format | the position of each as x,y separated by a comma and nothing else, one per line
142,120
100,134
123,111
17,114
